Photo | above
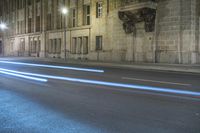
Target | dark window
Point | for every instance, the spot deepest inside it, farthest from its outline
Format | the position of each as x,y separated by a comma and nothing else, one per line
49,22
87,14
85,45
73,45
73,17
38,14
29,2
99,43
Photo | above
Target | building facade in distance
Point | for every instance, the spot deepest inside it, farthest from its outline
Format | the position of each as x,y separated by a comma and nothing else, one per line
161,31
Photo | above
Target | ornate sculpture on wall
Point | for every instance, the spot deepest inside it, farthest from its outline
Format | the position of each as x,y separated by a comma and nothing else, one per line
149,16
128,21
133,16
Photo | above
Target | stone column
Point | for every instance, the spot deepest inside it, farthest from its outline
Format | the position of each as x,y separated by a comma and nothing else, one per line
43,28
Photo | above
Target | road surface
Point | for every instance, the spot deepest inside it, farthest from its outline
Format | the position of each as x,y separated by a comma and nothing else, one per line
112,100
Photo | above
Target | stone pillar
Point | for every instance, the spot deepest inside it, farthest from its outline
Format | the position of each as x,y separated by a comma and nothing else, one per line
177,31
43,28
168,31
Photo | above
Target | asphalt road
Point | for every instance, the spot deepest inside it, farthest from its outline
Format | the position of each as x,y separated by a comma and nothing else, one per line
114,101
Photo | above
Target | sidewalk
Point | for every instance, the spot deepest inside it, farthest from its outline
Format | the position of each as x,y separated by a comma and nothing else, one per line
194,68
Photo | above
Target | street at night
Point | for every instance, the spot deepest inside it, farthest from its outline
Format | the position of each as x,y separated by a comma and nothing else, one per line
64,103
99,66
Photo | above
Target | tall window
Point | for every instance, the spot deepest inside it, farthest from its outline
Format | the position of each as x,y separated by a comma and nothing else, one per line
50,46
99,9
38,13
11,45
79,46
20,4
58,14
73,17
30,16
58,46
30,44
87,14
73,46
54,46
33,45
99,43
22,45
49,15
85,45
38,45
29,2
13,5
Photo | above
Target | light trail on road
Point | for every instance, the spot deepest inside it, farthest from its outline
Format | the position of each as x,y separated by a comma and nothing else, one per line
156,81
23,76
55,67
112,84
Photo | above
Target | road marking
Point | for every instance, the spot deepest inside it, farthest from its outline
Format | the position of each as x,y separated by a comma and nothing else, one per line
154,81
23,76
52,66
112,84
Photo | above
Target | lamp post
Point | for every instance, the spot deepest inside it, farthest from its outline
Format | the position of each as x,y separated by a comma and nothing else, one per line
64,11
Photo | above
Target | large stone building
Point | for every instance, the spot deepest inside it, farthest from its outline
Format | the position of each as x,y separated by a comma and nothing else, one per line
163,31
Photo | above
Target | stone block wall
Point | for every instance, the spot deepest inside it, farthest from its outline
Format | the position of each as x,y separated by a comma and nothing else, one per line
177,27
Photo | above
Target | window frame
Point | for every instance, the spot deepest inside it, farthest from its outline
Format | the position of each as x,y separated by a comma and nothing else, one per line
99,9
99,43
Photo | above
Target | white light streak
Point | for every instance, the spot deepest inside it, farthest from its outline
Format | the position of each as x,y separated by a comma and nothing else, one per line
56,67
95,82
23,76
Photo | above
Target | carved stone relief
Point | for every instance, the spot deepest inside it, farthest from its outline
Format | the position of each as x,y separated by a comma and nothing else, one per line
144,14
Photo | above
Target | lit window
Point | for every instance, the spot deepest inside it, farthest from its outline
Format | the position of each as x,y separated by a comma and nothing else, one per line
99,9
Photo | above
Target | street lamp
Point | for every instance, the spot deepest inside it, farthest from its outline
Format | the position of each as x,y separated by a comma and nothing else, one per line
64,11
3,26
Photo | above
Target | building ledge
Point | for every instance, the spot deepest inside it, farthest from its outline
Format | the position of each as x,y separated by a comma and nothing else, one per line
134,7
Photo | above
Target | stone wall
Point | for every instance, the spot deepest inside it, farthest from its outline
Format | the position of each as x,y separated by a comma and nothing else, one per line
177,31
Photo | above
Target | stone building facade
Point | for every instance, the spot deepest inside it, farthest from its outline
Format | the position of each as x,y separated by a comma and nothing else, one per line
160,31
